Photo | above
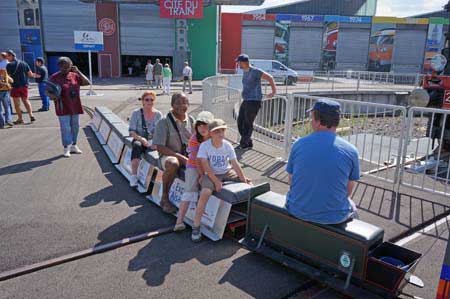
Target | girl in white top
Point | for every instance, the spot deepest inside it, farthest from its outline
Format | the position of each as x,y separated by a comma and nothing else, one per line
149,73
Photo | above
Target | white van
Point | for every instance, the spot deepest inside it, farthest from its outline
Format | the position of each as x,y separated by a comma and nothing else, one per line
279,71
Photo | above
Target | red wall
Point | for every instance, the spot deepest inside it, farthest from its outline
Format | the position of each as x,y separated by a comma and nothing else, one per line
231,31
107,22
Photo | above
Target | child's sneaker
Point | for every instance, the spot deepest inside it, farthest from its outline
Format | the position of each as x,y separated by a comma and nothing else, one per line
179,227
196,235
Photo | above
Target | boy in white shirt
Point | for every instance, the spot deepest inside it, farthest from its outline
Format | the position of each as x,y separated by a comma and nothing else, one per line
218,159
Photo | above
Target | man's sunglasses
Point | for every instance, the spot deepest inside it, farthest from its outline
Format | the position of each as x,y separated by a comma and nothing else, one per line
149,100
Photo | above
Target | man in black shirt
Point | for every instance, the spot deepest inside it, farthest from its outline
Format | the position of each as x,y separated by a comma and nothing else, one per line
19,71
41,78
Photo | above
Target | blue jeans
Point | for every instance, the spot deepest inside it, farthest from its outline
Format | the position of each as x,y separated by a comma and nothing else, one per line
45,99
70,125
5,102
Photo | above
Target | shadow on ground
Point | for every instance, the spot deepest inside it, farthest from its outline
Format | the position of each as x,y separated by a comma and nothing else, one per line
27,166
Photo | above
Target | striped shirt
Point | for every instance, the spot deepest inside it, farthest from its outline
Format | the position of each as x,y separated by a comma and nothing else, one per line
192,150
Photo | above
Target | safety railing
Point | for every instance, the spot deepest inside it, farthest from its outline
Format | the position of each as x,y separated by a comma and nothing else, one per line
425,164
400,145
337,81
376,130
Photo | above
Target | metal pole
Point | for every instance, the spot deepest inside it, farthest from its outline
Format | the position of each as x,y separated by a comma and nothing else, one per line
359,82
91,91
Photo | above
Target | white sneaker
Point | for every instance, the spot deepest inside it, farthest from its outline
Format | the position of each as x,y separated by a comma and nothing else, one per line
66,152
133,181
74,149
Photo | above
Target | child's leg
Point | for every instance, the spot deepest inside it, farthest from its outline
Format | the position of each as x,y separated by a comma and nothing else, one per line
184,205
202,201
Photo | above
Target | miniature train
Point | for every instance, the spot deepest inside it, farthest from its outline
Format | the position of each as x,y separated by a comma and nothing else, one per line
350,257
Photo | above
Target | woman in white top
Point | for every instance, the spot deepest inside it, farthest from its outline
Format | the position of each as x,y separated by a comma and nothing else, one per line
149,73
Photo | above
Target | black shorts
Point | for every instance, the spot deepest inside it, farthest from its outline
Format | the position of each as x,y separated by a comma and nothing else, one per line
138,150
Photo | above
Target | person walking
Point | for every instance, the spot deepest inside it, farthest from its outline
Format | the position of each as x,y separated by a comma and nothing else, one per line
187,77
19,71
167,73
41,78
252,97
5,87
157,73
3,61
149,73
68,105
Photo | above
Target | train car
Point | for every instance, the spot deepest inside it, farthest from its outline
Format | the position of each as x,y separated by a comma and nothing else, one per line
351,257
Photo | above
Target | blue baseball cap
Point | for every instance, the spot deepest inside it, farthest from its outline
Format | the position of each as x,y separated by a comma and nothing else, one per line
242,58
327,107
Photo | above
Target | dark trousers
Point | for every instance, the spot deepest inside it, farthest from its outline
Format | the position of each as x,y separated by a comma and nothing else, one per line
247,114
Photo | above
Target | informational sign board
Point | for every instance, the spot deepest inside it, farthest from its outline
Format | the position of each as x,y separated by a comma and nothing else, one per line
211,209
181,9
88,40
115,145
104,132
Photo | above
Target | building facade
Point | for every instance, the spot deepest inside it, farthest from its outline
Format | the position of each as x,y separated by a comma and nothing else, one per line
132,33
333,42
328,7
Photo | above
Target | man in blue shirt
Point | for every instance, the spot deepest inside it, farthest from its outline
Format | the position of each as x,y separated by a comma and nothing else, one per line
323,169
41,78
252,96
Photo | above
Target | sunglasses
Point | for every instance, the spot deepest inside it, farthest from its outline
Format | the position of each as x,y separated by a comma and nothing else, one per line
149,100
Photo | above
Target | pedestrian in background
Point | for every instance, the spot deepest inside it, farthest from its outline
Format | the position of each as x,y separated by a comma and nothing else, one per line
187,77
3,61
252,98
68,105
167,78
5,87
157,73
41,78
19,71
149,73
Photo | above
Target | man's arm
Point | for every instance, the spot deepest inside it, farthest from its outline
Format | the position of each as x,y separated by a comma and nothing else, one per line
350,187
269,78
84,80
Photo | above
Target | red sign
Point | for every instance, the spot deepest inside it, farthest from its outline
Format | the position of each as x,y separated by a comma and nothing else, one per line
446,103
181,9
107,26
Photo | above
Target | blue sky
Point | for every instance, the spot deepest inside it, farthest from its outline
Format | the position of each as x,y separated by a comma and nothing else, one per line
394,8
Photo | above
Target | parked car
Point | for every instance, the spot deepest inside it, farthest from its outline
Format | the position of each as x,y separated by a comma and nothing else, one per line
279,71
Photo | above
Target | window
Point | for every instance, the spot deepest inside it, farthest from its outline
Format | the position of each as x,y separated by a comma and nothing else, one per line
276,65
28,17
37,16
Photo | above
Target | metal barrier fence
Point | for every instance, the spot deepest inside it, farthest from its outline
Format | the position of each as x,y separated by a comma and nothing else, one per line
394,142
339,81
425,164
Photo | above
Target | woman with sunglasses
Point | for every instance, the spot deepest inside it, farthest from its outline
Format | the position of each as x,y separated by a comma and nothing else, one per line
142,127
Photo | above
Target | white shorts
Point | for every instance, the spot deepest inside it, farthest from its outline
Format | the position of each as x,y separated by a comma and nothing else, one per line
149,77
190,185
